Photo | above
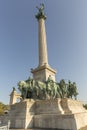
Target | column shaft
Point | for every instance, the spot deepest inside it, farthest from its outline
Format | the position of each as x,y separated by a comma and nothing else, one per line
43,58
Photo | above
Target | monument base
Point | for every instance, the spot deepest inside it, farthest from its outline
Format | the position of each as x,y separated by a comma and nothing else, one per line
66,114
21,114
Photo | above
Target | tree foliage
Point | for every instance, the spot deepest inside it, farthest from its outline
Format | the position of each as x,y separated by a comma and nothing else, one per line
85,106
3,108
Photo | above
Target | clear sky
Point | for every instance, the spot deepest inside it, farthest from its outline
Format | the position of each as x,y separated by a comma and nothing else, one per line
66,28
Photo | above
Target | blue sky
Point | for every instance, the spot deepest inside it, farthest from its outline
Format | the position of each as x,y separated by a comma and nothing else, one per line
66,28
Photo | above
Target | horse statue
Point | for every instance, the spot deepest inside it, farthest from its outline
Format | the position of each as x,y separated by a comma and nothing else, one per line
22,87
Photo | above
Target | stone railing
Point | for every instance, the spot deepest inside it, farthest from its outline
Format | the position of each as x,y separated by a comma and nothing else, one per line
4,126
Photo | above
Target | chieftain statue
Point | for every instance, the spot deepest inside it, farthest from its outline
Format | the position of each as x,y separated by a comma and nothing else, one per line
47,90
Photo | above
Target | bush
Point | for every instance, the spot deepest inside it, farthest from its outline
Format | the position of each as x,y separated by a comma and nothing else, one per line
3,108
85,106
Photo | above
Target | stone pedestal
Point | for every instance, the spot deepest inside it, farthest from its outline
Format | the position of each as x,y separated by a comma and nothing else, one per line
52,106
21,114
66,114
42,73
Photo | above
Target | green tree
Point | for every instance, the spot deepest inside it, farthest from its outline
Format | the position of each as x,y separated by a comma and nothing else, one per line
85,106
3,108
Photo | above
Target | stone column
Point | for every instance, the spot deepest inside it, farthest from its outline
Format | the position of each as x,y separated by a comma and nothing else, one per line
13,97
43,71
43,58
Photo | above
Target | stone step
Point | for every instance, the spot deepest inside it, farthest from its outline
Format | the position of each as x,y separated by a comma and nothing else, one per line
37,129
83,128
